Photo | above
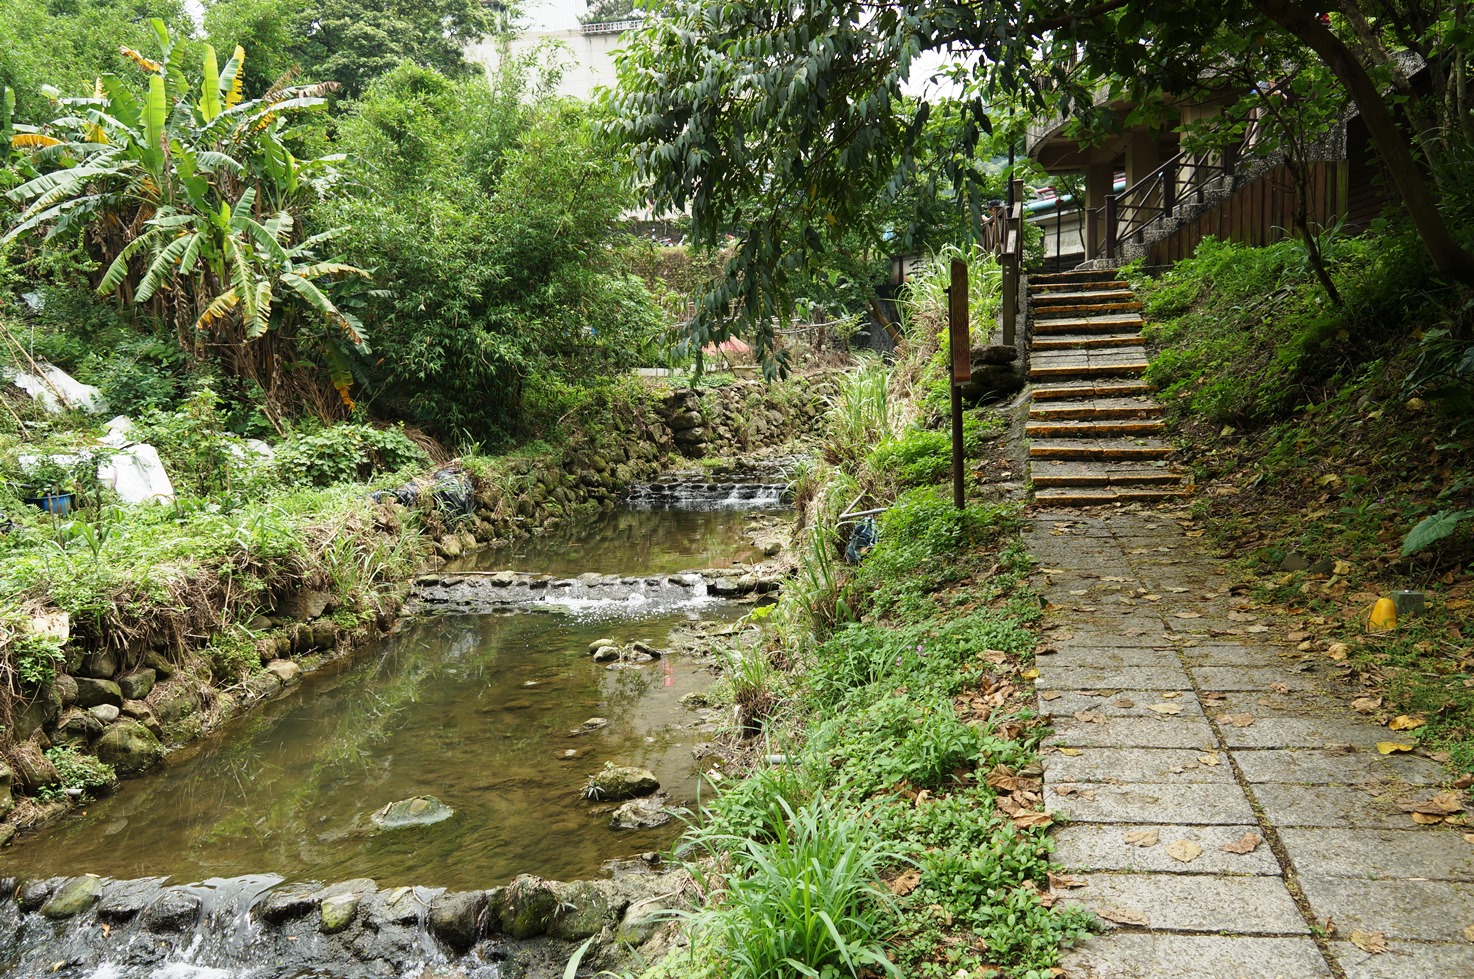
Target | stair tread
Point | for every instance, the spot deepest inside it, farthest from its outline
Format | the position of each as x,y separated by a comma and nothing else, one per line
1065,341
1089,405
1066,389
1096,295
1104,496
1117,428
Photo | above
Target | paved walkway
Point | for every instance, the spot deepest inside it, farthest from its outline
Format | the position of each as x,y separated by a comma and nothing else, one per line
1229,815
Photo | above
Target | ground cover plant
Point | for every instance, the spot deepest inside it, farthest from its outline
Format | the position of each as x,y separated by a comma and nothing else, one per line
1334,454
894,695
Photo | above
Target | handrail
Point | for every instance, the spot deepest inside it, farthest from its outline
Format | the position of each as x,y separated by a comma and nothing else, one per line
1002,235
612,26
1150,200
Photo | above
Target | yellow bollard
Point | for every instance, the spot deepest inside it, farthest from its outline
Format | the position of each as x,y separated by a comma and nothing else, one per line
1383,617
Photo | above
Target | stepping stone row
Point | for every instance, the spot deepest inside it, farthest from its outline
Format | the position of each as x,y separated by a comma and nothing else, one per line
1095,434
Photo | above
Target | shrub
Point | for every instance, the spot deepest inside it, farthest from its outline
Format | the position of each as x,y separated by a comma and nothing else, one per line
79,771
345,453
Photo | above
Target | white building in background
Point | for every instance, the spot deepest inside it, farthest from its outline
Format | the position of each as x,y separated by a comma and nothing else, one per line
588,55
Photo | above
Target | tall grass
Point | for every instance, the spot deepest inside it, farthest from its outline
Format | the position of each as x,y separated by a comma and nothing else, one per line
803,899
859,416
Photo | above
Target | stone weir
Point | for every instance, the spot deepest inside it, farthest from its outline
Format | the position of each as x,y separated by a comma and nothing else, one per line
261,928
737,487
502,591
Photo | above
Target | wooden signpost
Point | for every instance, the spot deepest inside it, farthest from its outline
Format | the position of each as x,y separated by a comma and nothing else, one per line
960,341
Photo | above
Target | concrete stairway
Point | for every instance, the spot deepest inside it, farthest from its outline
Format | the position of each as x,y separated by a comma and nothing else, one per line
1095,434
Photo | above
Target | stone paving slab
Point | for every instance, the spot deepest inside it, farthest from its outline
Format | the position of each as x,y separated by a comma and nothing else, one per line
1091,678
1195,957
1328,805
1134,766
1175,902
1296,703
1312,767
1095,847
1263,657
1113,704
1304,732
1405,960
1189,803
1131,732
1419,910
1250,678
1379,853
1111,658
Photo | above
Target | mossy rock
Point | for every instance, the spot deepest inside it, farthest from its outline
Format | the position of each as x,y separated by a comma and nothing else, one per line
75,896
613,784
129,747
422,810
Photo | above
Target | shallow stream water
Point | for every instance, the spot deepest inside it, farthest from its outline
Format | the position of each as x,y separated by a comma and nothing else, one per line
476,710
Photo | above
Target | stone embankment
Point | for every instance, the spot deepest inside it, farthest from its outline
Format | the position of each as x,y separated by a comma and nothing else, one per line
528,928
128,706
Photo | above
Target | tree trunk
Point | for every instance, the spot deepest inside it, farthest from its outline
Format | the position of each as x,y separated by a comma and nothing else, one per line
1449,257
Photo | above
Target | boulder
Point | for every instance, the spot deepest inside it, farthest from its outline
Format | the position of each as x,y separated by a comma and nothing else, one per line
995,354
101,664
284,670
422,810
143,714
124,900
91,692
529,906
172,911
173,701
106,713
33,770
599,644
285,903
34,893
458,919
74,897
76,727
337,912
587,908
137,685
7,802
641,814
261,685
129,747
612,784
66,689
306,604
7,833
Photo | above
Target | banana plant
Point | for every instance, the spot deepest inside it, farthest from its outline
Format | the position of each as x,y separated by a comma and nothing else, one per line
191,191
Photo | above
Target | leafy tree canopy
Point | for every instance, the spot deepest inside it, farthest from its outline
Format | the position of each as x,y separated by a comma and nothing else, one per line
781,119
352,42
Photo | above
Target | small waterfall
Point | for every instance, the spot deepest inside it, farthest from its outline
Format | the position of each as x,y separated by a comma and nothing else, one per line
588,596
726,489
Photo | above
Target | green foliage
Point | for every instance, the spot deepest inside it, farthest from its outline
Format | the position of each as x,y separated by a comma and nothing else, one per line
33,659
920,457
488,222
346,453
860,416
232,656
803,898
79,771
1432,529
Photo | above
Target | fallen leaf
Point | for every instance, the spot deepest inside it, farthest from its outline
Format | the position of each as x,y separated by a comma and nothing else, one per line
1279,688
1069,752
1423,819
1242,617
1030,674
1403,722
1171,695
1090,717
1366,705
1122,916
1028,820
1445,803
1469,837
1338,650
1050,695
1064,881
1187,615
1209,760
1469,933
1183,851
1256,628
1372,942
1247,843
905,884
1164,708
1392,747
1237,720
1141,837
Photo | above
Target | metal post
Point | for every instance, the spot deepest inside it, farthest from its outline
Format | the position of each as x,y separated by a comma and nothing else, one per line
959,339
1169,190
1110,226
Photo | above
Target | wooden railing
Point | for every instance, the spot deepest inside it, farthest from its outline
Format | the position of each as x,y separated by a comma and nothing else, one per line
1002,234
1151,200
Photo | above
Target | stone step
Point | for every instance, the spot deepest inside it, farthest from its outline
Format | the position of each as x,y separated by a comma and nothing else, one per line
1074,323
1084,309
1085,370
1065,389
1076,278
1105,496
1093,407
1097,324
1087,429
1101,450
1081,342
1059,473
1065,298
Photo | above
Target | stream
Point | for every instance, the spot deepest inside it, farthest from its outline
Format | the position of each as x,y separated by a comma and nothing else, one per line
485,712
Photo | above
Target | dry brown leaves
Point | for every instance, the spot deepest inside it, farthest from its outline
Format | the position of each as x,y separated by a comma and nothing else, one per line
1373,942
1236,720
1183,851
1247,843
905,883
1444,807
1123,916
1141,837
1402,722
